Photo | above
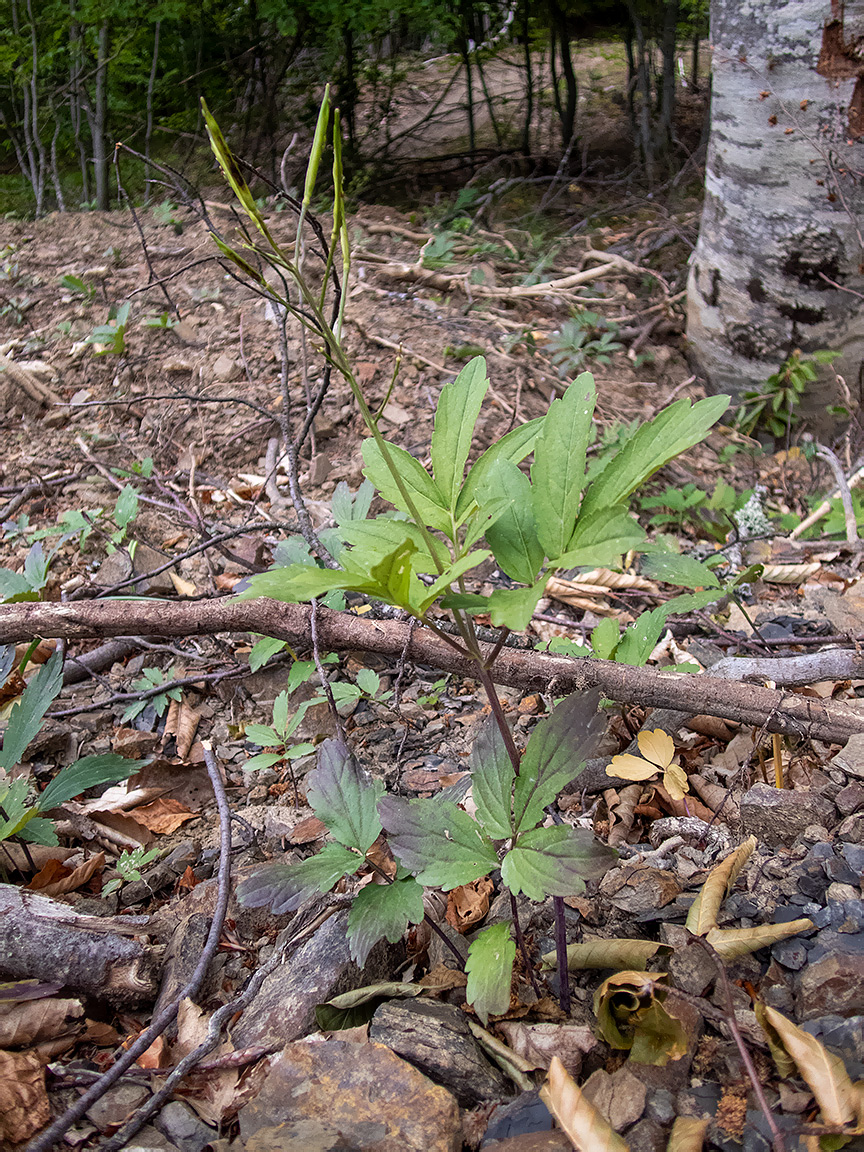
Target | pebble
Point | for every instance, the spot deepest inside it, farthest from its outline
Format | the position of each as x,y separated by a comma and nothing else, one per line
790,953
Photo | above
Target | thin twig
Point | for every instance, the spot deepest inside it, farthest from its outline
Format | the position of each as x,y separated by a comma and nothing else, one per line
166,1017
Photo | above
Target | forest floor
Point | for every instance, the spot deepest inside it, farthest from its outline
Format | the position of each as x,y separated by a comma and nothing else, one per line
167,441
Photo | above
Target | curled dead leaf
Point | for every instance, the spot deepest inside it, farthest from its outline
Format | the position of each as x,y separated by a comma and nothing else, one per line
704,909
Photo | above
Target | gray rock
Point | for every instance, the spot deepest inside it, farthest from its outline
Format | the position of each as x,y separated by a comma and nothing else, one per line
779,815
660,1106
790,953
854,857
837,870
757,1134
148,1139
620,1096
322,968
183,1127
833,979
850,799
646,1136
117,1105
436,1039
527,1113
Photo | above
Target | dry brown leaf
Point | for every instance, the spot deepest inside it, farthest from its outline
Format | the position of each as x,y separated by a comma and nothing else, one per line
56,879
442,979
704,909
621,807
308,831
605,578
30,1021
163,816
24,1106
686,806
39,853
730,943
613,953
586,1129
172,717
789,573
687,1135
187,726
118,828
824,1073
184,587
538,1043
156,1056
468,904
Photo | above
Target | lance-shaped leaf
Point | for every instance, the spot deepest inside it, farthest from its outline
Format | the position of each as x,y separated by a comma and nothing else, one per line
684,571
25,718
559,464
704,909
418,483
343,796
489,966
730,943
556,754
824,1073
358,1006
231,171
588,1129
675,429
492,776
513,536
439,843
373,539
88,772
513,607
555,862
284,887
299,582
600,539
383,910
455,417
617,953
515,446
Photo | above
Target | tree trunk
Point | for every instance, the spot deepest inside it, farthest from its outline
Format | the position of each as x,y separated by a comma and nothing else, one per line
567,107
778,265
148,132
99,119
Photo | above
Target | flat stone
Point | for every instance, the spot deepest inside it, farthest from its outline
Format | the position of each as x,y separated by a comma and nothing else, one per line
149,1139
620,1096
850,799
117,1105
832,983
436,1039
777,816
364,1094
184,1128
225,369
322,968
853,854
850,759
639,889
524,1116
647,1136
790,953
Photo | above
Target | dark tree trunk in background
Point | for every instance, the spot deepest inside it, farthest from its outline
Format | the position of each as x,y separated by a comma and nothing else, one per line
567,106
99,119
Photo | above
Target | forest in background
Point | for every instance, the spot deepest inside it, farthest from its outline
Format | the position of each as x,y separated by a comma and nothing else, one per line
76,76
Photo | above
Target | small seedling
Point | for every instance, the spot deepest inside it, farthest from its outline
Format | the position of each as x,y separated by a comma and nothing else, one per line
588,336
773,406
151,678
78,286
111,336
129,865
164,321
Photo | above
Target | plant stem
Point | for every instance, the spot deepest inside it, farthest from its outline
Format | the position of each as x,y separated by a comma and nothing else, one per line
561,955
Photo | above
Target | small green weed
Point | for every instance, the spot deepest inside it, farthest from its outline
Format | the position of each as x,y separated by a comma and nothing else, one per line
588,336
773,405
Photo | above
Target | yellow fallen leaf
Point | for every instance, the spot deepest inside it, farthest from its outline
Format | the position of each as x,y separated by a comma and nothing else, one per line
657,746
730,943
587,1130
703,911
687,1135
627,767
616,953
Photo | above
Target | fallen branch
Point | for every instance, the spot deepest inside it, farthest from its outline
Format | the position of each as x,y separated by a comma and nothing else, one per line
532,671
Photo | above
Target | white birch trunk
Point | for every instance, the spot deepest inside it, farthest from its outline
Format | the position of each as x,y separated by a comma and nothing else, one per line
784,195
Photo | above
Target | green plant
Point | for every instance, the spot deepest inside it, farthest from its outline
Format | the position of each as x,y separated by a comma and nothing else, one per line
151,678
165,214
129,865
111,336
709,515
430,699
23,814
164,320
418,556
78,286
16,308
773,405
588,336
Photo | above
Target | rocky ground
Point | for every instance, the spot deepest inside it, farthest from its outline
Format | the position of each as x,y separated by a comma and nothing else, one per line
183,414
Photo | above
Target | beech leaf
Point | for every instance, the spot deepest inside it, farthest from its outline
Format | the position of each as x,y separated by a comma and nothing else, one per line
730,943
619,953
704,909
587,1129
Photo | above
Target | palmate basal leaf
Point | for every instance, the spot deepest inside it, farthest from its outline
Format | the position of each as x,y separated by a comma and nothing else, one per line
382,910
284,887
438,842
492,776
343,796
555,862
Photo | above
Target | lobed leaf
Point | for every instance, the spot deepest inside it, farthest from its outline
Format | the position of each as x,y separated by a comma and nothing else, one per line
382,910
25,718
513,607
343,796
489,967
555,862
600,539
284,887
439,843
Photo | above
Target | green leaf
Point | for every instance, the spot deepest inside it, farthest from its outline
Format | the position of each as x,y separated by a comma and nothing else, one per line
556,754
483,519
601,539
466,602
383,910
88,772
298,582
452,574
13,584
513,537
13,800
126,508
394,577
27,713
378,537
458,408
263,649
262,735
555,862
515,446
559,464
685,571
489,966
262,760
672,431
605,638
641,638
39,831
439,843
368,681
358,1006
344,797
284,887
513,607
231,170
492,776
418,483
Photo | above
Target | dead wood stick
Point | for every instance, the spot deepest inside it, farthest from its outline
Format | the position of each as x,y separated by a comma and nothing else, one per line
699,695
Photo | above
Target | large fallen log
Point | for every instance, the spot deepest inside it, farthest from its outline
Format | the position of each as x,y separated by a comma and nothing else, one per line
776,710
